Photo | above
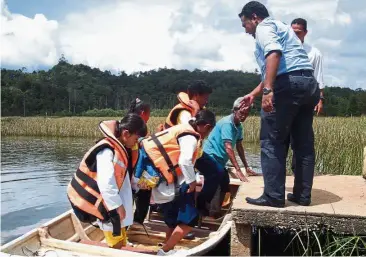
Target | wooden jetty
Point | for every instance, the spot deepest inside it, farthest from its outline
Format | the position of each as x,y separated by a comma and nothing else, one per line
337,201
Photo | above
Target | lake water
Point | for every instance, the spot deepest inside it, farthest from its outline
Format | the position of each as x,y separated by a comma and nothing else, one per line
34,176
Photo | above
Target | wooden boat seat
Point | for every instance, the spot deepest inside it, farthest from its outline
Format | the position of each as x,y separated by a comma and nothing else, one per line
126,248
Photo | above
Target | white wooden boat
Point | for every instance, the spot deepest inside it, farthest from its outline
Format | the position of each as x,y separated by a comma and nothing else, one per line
65,235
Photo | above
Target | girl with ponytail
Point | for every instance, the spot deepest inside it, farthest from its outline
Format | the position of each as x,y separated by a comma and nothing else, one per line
140,108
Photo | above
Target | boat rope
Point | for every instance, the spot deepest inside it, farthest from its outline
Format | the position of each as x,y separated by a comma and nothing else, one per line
36,253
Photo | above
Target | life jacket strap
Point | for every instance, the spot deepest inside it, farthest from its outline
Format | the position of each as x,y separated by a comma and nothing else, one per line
87,180
172,168
103,211
83,192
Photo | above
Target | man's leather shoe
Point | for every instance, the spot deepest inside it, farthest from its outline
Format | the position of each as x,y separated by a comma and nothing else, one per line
262,201
292,198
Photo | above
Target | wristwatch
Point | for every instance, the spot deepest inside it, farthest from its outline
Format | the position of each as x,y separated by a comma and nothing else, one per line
322,98
267,90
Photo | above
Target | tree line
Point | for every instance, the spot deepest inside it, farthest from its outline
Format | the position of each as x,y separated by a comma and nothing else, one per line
67,90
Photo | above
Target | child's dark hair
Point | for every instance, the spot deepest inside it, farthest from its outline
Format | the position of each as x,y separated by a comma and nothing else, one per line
137,106
134,124
198,87
204,117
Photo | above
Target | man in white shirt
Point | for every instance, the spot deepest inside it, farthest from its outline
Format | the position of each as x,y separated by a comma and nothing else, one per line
299,26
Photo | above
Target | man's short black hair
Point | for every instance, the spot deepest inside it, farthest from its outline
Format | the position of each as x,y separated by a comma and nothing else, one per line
254,7
198,87
302,22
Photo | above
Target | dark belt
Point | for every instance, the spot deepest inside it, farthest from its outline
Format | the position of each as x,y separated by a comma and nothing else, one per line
307,73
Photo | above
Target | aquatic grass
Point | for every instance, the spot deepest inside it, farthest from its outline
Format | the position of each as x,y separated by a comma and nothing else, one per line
59,126
327,243
339,142
321,241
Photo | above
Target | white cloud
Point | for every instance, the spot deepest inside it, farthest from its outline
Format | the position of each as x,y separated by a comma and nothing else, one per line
205,34
119,36
313,9
26,41
343,18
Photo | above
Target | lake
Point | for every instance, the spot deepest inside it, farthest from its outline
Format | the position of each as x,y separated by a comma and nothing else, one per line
34,176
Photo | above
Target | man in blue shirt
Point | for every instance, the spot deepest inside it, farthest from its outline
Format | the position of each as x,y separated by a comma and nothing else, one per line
289,94
219,148
227,134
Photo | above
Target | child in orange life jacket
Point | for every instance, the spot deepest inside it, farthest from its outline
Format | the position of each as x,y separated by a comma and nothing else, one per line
189,103
142,196
171,155
101,189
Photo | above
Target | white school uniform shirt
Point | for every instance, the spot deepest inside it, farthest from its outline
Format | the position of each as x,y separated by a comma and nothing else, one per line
184,117
165,193
112,196
316,60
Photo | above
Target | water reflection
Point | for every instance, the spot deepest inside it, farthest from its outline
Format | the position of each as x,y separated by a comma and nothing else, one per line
34,176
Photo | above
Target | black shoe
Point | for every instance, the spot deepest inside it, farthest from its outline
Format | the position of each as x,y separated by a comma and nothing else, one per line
292,198
262,201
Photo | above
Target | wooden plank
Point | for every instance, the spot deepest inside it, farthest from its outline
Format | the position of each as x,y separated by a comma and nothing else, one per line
125,248
30,240
90,249
31,235
79,227
62,229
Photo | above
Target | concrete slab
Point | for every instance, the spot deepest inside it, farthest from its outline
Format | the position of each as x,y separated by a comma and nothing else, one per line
337,201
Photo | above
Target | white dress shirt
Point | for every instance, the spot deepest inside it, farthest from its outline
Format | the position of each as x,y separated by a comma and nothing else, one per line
316,60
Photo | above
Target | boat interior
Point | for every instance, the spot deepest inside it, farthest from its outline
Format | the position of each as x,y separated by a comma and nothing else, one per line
67,236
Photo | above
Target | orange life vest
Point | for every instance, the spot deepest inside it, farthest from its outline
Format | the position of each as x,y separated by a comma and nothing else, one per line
83,191
163,150
184,104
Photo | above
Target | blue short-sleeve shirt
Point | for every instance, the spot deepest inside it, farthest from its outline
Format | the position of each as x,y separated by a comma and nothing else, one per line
225,130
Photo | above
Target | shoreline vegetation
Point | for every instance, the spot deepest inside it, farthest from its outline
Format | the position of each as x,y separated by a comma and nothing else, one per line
339,141
73,90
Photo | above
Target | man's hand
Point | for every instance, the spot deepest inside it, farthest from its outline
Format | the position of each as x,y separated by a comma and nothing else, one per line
241,176
250,172
319,107
246,102
267,104
121,212
192,187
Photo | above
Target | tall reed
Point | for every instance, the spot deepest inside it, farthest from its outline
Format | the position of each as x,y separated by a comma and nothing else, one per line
339,142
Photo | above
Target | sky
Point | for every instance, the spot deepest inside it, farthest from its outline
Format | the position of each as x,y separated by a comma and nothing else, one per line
140,35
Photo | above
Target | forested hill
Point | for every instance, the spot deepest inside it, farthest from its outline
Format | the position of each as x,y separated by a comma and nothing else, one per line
76,89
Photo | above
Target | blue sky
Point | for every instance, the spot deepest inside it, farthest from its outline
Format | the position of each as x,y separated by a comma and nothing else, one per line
54,10
135,35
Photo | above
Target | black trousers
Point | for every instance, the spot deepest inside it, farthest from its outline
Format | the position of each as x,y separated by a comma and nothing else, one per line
142,200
